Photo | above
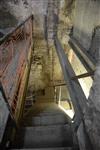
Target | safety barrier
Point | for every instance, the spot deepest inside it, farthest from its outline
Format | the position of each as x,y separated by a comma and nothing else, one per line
14,50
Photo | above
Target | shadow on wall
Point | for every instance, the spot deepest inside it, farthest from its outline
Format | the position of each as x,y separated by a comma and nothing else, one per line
92,42
9,21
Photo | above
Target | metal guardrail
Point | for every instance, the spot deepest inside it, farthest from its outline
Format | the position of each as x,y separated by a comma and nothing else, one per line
14,50
68,74
86,59
76,93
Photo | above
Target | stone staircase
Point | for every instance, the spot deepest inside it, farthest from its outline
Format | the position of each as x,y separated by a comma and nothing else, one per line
45,127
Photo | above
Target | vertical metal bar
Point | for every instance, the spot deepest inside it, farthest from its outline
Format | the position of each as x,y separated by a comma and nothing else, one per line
59,95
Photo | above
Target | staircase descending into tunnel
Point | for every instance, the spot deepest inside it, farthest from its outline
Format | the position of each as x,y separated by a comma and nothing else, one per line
45,126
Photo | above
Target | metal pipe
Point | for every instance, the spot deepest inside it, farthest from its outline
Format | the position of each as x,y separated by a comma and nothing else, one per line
84,75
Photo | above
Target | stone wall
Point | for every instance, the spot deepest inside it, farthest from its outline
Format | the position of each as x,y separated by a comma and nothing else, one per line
87,32
86,19
7,20
92,117
21,9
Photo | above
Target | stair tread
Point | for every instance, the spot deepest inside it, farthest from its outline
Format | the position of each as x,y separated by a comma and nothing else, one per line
46,120
46,128
38,114
45,136
44,109
56,148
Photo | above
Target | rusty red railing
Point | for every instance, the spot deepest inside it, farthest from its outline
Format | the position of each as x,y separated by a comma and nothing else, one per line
14,50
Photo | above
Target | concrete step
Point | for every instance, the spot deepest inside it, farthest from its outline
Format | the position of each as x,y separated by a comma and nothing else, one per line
46,120
52,113
56,148
44,109
45,113
44,136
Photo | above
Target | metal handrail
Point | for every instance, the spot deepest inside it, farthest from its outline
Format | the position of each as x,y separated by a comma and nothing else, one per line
76,93
14,50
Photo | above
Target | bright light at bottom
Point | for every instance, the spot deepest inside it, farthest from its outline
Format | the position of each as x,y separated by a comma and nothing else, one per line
69,112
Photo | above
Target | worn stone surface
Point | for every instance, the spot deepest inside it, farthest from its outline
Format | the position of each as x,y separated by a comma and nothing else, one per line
86,31
65,19
95,43
92,116
9,20
86,18
21,9
50,129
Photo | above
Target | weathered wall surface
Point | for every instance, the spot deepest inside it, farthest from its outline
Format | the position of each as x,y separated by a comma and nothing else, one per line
21,9
92,117
86,19
86,22
7,20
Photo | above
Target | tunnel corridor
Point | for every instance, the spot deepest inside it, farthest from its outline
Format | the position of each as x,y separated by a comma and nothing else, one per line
45,121
49,75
